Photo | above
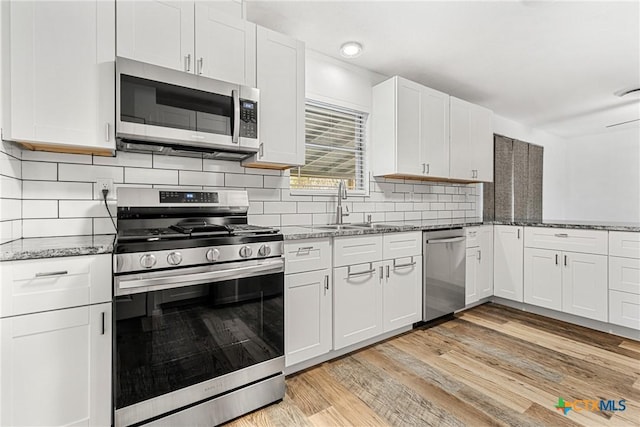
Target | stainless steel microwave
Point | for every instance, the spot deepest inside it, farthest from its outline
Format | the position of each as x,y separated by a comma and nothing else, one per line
163,110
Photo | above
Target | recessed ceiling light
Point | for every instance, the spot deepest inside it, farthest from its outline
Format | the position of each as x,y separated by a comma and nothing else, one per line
351,49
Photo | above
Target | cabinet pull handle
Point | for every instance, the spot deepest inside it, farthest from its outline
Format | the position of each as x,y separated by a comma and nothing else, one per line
187,62
424,168
200,65
52,273
409,264
371,270
306,250
261,150
107,134
556,259
565,260
104,315
387,271
479,255
518,233
427,168
561,235
381,273
326,283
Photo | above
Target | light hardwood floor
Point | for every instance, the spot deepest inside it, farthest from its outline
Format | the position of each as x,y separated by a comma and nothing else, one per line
491,365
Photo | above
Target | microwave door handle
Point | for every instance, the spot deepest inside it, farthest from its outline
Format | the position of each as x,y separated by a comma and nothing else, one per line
236,116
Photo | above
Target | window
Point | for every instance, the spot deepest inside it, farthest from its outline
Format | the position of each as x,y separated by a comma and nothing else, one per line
335,142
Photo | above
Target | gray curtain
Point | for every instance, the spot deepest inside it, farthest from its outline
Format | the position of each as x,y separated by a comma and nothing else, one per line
516,193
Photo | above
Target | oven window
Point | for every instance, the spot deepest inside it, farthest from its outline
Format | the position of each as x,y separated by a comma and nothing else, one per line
161,104
167,340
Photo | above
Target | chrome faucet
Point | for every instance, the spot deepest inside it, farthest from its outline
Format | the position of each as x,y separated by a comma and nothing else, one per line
342,195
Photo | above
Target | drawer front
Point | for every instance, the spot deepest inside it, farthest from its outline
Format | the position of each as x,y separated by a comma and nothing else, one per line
357,249
396,245
624,274
31,286
472,235
624,309
625,244
563,239
306,255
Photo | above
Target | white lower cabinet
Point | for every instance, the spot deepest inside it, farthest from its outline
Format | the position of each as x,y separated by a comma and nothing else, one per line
507,262
479,263
55,368
624,309
308,315
402,293
624,279
571,282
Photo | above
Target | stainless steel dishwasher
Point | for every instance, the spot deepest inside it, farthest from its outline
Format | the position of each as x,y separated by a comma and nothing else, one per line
443,273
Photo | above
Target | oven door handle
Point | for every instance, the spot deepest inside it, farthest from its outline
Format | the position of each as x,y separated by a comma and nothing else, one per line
139,284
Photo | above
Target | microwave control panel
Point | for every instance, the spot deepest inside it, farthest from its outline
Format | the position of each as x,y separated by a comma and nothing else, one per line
248,119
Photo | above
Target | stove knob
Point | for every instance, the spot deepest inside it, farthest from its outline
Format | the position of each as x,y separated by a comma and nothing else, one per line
213,255
246,252
147,261
265,250
174,258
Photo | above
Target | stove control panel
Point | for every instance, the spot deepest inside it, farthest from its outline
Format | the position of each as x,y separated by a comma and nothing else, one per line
174,258
189,197
246,251
147,261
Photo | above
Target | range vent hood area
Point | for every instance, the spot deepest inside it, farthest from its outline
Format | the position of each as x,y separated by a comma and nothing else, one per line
181,150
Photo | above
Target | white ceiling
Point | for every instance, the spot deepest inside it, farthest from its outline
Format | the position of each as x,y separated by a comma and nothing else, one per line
552,65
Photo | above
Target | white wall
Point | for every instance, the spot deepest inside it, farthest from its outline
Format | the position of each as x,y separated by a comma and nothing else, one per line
603,176
554,176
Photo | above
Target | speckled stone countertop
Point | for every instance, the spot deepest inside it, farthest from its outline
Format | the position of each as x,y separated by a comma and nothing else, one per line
51,247
584,225
318,231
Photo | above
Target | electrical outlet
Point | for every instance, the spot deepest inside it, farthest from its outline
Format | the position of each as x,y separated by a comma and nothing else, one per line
105,184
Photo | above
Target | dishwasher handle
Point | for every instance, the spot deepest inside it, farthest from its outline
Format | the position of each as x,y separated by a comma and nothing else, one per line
446,240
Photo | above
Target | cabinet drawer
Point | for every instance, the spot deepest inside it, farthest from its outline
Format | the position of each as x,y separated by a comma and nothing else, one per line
356,250
472,235
48,284
396,245
306,255
624,274
624,243
624,309
562,239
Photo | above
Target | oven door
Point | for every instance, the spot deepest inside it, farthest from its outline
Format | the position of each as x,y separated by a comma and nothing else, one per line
157,104
187,335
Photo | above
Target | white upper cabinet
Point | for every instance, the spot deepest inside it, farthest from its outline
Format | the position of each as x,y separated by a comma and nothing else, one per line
280,77
58,74
196,37
410,130
157,32
471,139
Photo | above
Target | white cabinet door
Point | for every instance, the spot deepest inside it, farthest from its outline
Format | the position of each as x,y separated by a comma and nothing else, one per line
507,262
60,70
280,77
584,285
543,278
402,295
471,141
471,276
357,307
482,143
485,262
435,132
157,32
410,150
308,317
225,46
624,309
55,368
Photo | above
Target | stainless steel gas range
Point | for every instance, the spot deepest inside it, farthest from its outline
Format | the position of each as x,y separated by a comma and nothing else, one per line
199,309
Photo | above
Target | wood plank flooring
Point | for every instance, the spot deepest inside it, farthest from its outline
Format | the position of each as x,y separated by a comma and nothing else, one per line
490,366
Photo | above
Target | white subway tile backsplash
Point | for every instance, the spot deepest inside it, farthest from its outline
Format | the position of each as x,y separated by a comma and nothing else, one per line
276,181
124,158
445,215
10,188
429,214
256,208
213,179
178,163
296,219
404,188
33,209
394,216
52,190
89,173
150,176
323,218
43,156
404,206
10,209
279,207
263,194
85,208
437,206
385,207
410,216
10,166
241,180
286,196
430,197
103,226
222,166
56,227
311,207
265,220
41,171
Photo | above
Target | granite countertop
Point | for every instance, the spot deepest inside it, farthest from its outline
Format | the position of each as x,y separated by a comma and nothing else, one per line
51,247
584,225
